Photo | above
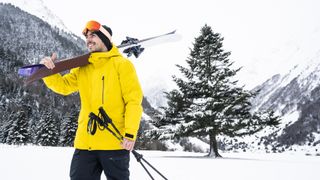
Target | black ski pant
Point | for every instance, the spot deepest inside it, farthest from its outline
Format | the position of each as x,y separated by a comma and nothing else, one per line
88,165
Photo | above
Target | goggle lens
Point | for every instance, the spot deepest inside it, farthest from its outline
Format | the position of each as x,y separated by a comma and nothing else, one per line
91,26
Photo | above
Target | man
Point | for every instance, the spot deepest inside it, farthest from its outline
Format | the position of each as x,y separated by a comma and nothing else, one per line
109,81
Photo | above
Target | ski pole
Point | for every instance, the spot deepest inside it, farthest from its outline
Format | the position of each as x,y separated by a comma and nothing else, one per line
120,138
139,157
103,124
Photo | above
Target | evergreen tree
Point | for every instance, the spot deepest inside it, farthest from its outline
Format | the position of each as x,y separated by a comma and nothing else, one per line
3,118
69,128
208,102
4,129
18,132
48,130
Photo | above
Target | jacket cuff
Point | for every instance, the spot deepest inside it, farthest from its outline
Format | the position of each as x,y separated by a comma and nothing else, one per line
130,136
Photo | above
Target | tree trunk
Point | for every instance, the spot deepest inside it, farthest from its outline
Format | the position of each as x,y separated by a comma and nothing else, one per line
213,146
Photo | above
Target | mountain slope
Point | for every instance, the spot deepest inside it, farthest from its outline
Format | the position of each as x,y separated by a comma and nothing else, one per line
26,39
38,8
31,38
295,96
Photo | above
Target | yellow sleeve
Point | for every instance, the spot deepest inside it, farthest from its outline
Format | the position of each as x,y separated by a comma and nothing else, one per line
132,96
65,84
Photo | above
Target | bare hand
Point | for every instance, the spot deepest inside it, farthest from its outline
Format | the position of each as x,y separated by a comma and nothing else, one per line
127,144
49,61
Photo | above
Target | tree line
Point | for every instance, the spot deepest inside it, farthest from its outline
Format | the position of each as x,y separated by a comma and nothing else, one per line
33,114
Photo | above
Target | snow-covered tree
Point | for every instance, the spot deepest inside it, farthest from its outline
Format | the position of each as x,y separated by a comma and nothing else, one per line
48,130
4,127
68,128
208,102
18,132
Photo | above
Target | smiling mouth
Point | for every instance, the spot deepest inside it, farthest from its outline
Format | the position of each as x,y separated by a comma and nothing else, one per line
90,44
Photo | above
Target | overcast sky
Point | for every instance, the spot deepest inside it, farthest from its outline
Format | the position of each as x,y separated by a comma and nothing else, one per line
261,34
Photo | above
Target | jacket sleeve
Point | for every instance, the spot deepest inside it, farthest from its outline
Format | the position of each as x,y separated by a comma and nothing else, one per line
65,84
132,96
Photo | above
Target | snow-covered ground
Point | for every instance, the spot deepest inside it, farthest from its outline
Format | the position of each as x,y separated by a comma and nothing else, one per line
52,163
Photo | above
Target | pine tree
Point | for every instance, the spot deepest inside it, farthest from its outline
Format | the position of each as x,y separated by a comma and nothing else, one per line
48,130
69,128
4,129
3,116
18,132
208,102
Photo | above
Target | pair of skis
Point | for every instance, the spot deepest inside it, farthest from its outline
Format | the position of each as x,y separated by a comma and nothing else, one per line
130,46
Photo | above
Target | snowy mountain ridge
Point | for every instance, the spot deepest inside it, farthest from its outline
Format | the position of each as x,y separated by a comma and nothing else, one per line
306,54
306,76
39,9
294,96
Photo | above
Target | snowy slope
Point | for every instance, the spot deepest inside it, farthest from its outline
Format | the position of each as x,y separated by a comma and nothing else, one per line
38,8
290,87
306,54
292,93
38,163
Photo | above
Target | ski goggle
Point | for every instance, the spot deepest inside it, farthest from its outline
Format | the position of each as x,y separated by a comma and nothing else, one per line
94,26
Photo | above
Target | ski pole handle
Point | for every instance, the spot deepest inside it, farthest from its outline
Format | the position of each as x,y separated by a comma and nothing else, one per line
108,120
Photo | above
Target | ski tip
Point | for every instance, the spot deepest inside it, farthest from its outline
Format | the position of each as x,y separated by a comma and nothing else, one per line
29,70
171,32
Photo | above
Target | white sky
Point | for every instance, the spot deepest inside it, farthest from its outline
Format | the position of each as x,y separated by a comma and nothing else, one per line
261,34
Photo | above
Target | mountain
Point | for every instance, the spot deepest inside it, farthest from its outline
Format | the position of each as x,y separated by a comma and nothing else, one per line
26,39
295,96
31,37
40,10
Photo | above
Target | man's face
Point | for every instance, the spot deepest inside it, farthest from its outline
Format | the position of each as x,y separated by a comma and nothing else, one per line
94,43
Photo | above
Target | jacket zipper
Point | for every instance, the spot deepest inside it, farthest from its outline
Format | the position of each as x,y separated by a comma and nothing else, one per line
102,89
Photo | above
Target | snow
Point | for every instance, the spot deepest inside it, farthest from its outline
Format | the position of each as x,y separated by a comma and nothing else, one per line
52,163
39,9
316,136
197,142
286,120
289,118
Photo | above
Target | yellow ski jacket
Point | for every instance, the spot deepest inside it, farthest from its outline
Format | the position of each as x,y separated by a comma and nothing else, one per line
109,81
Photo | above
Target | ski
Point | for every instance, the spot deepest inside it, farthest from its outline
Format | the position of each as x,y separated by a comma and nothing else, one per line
136,41
134,46
39,71
131,46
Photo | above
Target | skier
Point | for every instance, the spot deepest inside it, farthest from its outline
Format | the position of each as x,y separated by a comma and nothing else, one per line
108,81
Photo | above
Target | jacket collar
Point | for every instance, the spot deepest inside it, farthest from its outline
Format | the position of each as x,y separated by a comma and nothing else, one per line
98,57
